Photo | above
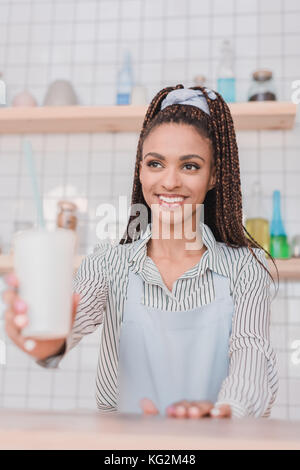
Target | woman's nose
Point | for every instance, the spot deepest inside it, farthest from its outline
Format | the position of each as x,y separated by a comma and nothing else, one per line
171,179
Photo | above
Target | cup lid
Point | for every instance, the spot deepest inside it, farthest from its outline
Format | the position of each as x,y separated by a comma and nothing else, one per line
262,75
67,205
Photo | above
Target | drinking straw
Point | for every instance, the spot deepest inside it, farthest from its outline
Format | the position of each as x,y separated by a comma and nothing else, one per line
27,148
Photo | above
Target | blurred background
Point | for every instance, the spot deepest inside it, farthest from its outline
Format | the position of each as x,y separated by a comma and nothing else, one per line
118,52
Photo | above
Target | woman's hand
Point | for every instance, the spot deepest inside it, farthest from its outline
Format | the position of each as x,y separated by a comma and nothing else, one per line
16,319
186,409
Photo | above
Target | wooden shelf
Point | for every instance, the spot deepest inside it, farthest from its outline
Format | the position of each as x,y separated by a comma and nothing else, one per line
91,119
71,119
289,269
266,115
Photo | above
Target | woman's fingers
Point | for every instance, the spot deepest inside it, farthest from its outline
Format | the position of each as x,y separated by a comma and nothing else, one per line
8,296
16,319
148,407
16,314
192,409
19,310
203,407
38,349
221,411
13,331
178,409
11,280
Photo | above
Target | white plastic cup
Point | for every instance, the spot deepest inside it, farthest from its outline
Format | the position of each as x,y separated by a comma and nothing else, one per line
44,265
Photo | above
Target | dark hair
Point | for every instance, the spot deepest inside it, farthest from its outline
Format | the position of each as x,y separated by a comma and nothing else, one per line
223,204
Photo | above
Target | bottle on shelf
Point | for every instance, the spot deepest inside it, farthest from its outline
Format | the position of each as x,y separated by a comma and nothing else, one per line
125,81
279,246
262,87
225,73
200,80
257,223
66,217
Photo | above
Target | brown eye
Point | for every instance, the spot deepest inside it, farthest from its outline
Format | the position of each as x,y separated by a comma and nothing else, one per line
150,164
153,164
192,164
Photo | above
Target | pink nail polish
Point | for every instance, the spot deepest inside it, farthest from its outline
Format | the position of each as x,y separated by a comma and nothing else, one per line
193,411
215,412
20,305
180,410
171,409
10,279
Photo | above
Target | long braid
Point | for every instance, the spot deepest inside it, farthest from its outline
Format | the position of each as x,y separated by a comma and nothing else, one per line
223,204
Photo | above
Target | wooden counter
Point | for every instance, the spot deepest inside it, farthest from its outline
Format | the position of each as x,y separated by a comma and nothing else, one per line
93,430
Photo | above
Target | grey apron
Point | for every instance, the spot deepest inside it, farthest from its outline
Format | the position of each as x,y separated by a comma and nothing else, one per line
171,356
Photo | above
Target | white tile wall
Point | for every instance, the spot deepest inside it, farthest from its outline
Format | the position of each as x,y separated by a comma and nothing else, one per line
171,41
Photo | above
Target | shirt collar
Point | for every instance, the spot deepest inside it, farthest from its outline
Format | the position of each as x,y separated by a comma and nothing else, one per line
213,258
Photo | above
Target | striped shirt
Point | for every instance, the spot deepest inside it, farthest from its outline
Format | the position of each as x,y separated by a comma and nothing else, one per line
102,278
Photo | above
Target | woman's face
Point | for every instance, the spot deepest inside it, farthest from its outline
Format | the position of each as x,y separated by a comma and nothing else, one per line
176,161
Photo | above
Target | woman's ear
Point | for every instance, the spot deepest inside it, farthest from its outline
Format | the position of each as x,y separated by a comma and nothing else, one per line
212,182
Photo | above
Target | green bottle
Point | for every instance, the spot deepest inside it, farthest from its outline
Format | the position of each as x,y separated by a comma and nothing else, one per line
279,247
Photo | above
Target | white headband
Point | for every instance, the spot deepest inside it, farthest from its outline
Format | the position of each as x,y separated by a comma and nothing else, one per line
190,97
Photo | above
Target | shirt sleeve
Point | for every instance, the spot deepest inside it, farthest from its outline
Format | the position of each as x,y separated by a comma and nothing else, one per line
252,384
91,283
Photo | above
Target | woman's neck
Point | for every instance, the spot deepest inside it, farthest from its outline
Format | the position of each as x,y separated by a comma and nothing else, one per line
172,242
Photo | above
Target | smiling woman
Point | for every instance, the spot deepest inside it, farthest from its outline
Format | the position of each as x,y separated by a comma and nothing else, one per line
184,299
188,156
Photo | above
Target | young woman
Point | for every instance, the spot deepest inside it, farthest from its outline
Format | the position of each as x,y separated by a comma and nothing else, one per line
185,318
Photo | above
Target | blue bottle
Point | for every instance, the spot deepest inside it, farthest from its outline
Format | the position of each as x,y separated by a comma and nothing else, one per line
279,247
125,81
226,79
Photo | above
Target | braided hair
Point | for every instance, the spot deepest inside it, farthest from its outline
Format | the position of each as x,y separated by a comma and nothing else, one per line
223,203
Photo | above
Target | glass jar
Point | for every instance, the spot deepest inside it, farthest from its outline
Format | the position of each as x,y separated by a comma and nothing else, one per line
66,217
296,246
262,87
200,80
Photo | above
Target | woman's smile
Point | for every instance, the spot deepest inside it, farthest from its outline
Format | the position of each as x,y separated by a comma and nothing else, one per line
171,202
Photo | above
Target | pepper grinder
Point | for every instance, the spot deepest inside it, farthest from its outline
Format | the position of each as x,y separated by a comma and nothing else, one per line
66,217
